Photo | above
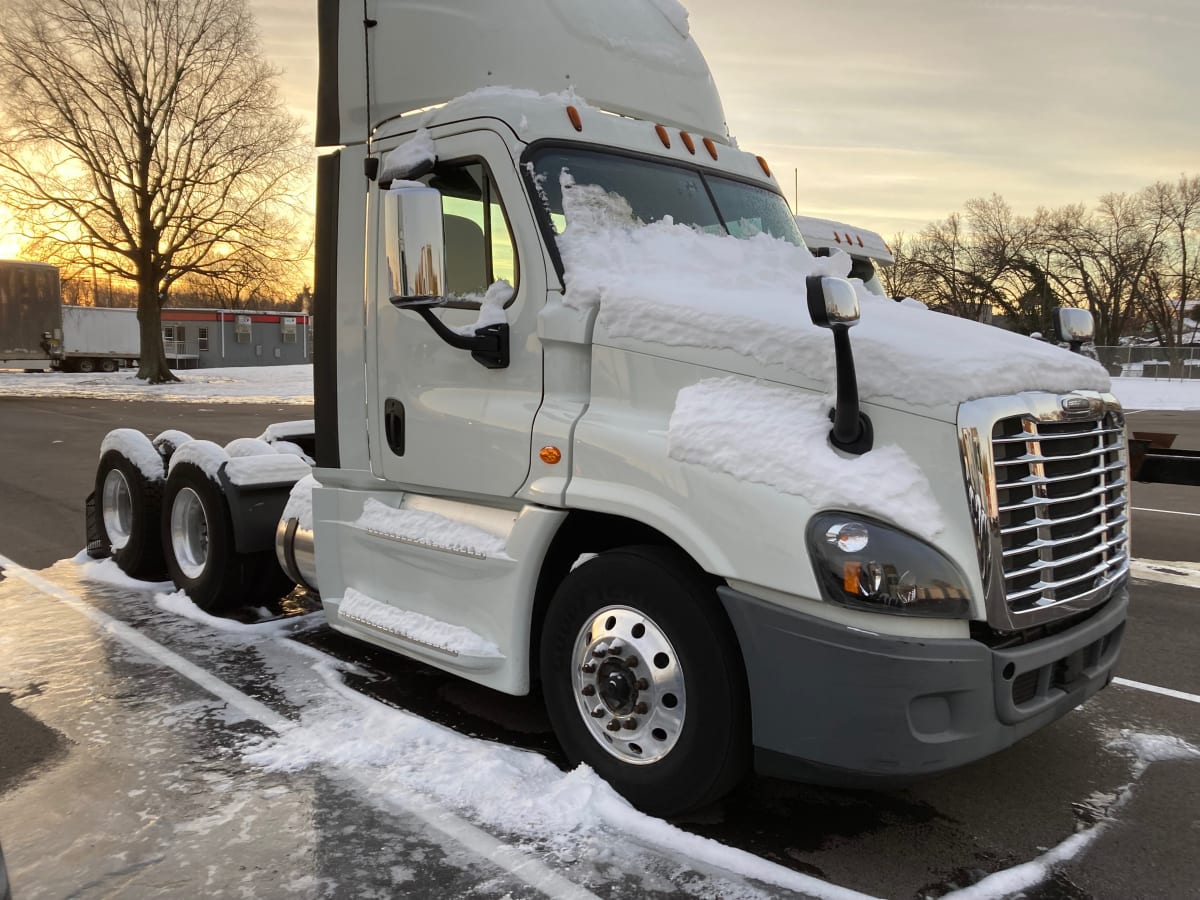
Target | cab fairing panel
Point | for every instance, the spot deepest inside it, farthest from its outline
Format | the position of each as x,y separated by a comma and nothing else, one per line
742,531
492,597
625,56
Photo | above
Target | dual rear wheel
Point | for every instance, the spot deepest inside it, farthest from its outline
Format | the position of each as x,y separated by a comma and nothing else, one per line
179,527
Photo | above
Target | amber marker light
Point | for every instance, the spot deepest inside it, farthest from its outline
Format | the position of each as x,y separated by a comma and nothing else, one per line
688,142
573,115
710,147
762,163
550,455
850,574
663,136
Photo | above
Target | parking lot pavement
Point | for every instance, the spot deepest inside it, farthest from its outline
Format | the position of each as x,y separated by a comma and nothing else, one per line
147,787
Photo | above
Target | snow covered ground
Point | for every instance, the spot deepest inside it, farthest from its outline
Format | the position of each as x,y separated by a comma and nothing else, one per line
293,385
235,384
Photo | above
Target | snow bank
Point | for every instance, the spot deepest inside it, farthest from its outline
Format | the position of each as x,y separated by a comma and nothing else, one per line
180,604
106,571
456,640
242,384
421,527
778,436
677,286
1146,393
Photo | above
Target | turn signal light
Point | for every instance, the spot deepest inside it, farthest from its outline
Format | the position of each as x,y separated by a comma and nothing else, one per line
550,455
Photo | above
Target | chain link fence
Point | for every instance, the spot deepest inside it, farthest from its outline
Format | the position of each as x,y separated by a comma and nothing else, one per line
1166,363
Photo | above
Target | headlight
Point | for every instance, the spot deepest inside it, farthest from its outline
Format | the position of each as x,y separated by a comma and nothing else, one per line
864,564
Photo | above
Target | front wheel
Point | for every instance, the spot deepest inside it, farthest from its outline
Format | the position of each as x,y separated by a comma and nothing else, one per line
643,679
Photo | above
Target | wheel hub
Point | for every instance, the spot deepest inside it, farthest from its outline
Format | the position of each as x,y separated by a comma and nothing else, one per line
189,533
629,685
116,508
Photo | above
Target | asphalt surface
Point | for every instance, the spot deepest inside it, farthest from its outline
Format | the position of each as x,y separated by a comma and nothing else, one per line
69,788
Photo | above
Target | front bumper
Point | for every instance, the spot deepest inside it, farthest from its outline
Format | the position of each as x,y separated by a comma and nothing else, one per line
836,705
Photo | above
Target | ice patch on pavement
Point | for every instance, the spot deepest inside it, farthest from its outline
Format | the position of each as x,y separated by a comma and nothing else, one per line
179,603
1150,748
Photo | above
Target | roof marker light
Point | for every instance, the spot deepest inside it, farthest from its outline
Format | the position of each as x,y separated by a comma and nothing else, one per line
859,236
763,165
837,237
688,142
573,115
710,147
849,240
663,136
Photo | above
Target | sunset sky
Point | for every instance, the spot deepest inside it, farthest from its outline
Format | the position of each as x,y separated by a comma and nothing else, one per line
896,113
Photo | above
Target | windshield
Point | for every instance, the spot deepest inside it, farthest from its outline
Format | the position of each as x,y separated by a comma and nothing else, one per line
655,190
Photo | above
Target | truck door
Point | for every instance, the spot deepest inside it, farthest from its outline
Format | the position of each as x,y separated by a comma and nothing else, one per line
440,420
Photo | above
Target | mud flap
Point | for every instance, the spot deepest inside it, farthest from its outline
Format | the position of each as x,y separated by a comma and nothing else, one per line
96,548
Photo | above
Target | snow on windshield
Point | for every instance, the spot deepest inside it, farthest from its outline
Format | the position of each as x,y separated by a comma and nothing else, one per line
671,284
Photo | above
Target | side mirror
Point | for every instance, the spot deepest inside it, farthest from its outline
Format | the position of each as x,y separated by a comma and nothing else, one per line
1075,326
832,301
416,255
416,261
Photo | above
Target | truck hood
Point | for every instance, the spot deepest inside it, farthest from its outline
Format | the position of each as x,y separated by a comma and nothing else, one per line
740,306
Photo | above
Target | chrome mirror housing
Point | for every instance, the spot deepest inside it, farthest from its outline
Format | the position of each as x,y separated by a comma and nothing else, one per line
1075,326
831,301
412,216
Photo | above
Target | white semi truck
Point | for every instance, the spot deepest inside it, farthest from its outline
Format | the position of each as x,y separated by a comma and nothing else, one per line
579,423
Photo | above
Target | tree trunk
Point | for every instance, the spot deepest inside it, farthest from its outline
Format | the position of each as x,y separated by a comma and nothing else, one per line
153,366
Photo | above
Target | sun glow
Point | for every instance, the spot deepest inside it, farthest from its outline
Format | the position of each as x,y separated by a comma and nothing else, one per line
11,242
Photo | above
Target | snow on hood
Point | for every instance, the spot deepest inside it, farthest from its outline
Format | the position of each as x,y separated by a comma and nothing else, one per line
679,286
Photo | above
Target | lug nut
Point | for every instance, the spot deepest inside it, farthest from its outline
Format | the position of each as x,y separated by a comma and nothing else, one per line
641,709
588,667
615,648
597,712
588,690
600,650
629,724
632,662
614,725
643,684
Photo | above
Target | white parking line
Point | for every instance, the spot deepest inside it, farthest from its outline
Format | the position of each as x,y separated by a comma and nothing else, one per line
1155,689
1185,574
524,868
1165,512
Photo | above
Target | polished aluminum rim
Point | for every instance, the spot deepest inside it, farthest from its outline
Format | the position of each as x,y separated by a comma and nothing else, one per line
628,685
189,533
116,508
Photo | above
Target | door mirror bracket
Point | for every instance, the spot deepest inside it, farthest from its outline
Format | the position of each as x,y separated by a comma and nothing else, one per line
488,346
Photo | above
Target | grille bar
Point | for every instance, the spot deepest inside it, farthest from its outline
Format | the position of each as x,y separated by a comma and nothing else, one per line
1044,586
1067,520
1031,502
1038,544
1023,438
1040,458
1071,476
1056,562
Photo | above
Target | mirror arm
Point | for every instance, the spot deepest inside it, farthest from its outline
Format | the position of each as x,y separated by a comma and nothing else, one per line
488,346
852,431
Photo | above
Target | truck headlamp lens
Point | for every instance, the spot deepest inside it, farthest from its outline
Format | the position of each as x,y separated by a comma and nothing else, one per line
864,564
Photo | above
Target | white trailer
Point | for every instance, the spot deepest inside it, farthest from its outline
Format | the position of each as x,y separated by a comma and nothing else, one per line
548,451
99,339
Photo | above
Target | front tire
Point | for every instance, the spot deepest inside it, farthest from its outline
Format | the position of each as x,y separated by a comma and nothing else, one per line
198,543
644,681
127,506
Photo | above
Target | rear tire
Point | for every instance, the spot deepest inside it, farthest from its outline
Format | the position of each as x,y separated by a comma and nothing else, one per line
644,681
108,365
127,507
201,554
85,365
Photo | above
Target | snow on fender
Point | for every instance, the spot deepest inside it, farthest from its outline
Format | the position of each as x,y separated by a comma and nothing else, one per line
138,449
128,502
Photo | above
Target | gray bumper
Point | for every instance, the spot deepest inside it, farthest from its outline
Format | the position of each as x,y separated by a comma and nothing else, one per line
837,705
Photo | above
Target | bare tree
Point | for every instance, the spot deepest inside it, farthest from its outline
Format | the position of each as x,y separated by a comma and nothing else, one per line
146,135
1172,213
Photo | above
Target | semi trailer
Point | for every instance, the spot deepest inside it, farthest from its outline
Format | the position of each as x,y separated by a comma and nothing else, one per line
588,416
30,315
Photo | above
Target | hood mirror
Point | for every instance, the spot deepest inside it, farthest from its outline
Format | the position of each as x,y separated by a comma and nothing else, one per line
833,304
1074,326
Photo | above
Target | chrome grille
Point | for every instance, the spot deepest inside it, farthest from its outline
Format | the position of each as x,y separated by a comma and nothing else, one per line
1049,493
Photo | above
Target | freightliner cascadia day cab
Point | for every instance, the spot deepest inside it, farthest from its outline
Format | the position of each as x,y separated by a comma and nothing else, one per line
589,418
